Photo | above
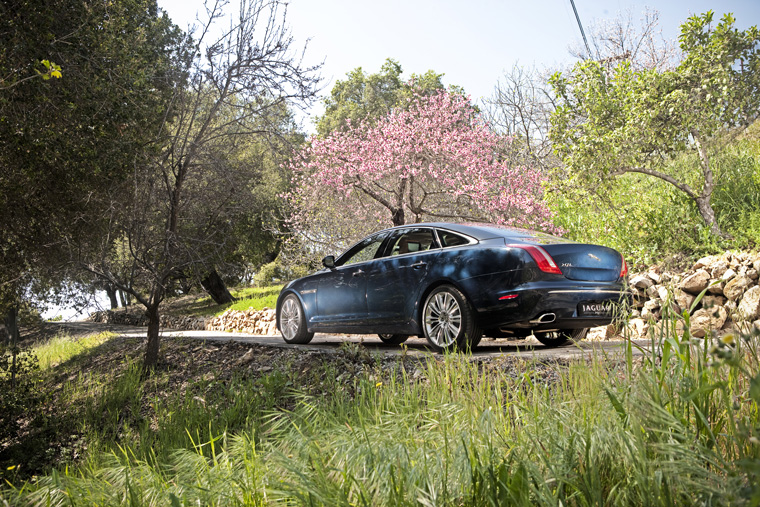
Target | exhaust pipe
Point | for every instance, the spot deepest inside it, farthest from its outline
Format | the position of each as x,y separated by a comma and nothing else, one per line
545,318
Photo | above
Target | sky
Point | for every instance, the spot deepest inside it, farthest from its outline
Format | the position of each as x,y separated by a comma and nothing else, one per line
471,42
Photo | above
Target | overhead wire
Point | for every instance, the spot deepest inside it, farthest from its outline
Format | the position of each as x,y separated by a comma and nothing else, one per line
583,34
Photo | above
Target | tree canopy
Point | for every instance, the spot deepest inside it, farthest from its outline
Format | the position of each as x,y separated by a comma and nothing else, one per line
433,159
65,142
363,96
190,192
621,120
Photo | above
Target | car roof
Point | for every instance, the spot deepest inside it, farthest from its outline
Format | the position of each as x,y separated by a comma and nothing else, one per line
483,231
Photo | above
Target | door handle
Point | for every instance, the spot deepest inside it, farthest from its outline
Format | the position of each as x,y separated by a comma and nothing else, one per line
419,265
357,273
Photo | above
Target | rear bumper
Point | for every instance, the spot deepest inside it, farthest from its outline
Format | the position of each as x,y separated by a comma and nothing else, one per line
547,308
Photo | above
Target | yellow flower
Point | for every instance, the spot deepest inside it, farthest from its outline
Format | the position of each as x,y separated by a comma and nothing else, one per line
379,384
728,339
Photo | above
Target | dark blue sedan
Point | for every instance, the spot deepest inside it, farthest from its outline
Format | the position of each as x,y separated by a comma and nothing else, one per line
453,283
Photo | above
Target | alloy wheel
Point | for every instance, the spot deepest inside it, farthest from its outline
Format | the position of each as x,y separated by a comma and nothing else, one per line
443,319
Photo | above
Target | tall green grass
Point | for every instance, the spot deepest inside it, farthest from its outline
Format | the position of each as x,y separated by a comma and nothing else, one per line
677,426
62,347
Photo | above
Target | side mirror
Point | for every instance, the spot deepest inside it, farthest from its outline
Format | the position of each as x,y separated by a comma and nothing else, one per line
329,262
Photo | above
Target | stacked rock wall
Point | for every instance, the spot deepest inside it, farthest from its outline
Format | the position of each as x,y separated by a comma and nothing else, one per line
731,301
261,322
140,319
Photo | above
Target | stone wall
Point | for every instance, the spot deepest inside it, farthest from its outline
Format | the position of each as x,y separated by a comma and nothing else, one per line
140,319
261,322
731,302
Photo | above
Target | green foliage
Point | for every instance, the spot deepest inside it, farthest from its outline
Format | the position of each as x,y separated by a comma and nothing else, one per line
67,142
370,96
275,273
614,122
256,298
649,220
61,348
19,384
677,426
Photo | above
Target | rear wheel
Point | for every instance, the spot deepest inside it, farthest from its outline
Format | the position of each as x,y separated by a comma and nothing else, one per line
393,339
448,320
292,322
561,337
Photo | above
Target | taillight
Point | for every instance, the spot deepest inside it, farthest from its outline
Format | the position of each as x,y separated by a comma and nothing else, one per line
624,268
542,258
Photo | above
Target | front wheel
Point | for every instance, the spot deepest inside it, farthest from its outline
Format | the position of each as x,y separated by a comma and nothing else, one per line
561,337
292,322
448,320
393,339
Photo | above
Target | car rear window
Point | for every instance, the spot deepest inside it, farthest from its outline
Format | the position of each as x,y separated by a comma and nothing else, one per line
449,238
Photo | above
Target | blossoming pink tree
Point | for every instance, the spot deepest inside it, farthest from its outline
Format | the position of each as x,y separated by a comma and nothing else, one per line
434,160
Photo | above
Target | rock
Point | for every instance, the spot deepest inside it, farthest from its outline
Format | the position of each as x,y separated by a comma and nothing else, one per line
637,328
703,321
718,268
641,282
726,275
654,276
753,274
703,262
736,287
246,358
716,287
711,301
696,283
684,300
749,307
601,333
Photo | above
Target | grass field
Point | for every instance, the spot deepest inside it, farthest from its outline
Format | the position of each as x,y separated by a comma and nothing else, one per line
678,427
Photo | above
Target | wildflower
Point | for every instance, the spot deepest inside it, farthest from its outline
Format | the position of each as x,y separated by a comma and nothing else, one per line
728,339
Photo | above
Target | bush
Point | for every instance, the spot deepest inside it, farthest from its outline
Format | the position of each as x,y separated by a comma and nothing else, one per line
19,384
649,220
275,273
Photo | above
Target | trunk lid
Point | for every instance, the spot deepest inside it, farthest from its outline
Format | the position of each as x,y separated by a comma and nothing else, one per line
592,263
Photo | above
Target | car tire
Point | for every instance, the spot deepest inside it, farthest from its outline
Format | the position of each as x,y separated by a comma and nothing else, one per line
291,321
561,337
393,339
448,320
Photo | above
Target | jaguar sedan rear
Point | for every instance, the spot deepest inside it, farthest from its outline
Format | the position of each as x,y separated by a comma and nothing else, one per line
453,283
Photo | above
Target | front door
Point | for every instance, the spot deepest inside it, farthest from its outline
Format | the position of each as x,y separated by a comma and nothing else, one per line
342,292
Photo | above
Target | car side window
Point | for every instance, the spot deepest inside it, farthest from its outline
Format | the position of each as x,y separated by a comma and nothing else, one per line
413,240
451,239
365,250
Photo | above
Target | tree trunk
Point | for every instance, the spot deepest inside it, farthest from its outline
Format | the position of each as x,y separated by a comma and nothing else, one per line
111,291
214,285
398,217
11,327
708,215
151,349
